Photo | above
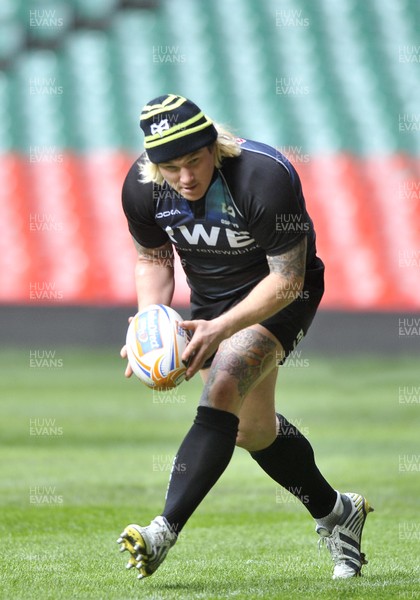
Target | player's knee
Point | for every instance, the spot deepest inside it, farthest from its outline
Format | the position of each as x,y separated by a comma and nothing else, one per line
255,436
244,439
222,393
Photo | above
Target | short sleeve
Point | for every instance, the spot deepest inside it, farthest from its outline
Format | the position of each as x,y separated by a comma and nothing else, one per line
138,206
276,216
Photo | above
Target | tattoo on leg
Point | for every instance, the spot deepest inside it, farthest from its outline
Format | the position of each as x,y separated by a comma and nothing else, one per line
245,356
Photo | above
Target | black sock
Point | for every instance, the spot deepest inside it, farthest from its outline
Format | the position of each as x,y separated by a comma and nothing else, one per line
290,461
203,456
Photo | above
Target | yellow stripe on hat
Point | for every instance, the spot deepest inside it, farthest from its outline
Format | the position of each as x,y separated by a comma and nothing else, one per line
155,109
176,136
172,130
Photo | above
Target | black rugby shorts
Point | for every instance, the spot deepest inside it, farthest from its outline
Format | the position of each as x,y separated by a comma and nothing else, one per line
289,325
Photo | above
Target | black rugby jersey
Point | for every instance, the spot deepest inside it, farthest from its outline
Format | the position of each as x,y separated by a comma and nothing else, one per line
254,207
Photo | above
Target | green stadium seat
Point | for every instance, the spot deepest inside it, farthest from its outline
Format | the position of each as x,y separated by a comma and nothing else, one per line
38,92
46,21
12,38
90,101
92,11
137,78
198,57
7,142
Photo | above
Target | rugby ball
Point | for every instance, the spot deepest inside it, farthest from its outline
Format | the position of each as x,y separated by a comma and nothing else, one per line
155,343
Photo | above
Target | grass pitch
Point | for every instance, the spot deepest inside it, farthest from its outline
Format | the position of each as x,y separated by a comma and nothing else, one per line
85,452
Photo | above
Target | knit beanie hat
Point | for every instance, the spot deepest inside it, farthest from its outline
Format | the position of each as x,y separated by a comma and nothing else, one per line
174,126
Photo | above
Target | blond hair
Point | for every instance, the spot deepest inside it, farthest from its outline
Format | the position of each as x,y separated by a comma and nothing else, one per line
225,146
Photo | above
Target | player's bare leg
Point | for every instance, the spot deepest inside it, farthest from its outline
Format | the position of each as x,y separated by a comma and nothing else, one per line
241,383
240,364
258,425
285,454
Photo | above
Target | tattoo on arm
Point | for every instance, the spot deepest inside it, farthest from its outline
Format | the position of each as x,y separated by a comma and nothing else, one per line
291,264
162,254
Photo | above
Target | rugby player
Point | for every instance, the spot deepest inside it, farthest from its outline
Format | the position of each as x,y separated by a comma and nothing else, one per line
234,211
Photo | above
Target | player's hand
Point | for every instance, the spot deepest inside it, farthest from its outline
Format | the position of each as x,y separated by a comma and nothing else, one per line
123,353
205,340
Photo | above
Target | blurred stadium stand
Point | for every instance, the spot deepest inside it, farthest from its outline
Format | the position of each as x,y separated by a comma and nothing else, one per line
334,85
